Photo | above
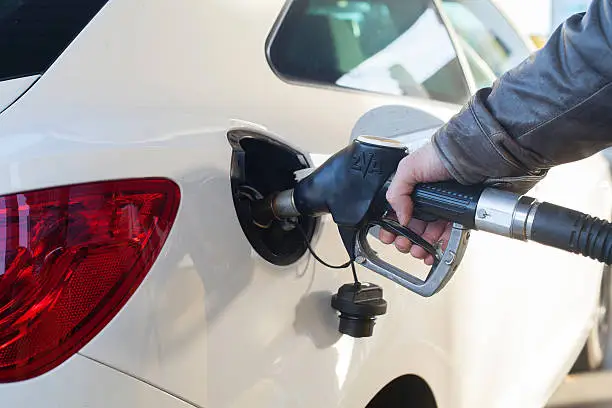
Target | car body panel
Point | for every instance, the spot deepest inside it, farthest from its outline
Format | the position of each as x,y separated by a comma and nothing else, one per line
214,323
12,89
82,382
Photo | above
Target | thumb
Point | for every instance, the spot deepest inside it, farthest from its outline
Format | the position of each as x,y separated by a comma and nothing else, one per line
398,195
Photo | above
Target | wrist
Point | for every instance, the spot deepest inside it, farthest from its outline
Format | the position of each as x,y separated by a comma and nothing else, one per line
428,166
445,160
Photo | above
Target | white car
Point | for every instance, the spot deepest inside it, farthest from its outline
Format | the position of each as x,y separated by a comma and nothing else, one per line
127,277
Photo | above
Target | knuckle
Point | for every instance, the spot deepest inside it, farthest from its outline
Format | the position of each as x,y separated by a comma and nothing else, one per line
401,248
431,237
391,194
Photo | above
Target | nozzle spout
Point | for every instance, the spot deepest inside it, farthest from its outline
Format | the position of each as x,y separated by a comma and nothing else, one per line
279,206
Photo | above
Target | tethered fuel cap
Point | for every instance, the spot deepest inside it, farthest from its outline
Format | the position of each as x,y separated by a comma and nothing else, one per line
359,304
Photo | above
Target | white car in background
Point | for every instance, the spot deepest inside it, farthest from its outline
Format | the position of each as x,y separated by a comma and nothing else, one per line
128,276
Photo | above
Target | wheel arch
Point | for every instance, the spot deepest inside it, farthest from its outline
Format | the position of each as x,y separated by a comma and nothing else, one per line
406,391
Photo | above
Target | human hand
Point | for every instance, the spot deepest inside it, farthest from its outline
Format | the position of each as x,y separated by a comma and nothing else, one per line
421,166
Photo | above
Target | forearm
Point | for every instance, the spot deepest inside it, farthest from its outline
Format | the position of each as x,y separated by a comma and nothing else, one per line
553,108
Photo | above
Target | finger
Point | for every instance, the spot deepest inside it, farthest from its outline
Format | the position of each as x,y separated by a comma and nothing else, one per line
417,226
443,240
446,235
403,244
432,233
429,260
398,194
386,237
402,205
404,213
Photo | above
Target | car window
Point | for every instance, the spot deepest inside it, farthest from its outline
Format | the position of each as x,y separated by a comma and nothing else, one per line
33,33
481,71
486,36
396,47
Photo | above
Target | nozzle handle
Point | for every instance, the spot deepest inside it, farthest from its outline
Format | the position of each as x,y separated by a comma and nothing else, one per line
447,200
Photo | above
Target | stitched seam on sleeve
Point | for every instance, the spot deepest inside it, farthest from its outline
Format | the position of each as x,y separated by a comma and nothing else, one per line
492,143
585,100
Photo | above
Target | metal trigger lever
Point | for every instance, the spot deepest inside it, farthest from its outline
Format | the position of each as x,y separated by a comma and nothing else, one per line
398,229
445,263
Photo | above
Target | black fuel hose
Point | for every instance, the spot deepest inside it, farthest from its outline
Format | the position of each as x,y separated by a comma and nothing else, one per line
572,231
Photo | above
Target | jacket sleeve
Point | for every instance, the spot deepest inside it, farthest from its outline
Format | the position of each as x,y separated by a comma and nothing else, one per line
553,108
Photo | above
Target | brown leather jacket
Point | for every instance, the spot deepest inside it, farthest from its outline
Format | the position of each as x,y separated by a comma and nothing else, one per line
553,108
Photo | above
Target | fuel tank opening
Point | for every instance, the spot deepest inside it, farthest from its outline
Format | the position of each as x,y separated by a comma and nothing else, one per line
262,165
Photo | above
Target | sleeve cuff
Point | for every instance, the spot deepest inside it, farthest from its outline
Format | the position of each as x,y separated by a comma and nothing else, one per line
474,147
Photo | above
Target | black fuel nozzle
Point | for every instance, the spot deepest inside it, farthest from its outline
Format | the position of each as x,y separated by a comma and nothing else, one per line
345,186
351,186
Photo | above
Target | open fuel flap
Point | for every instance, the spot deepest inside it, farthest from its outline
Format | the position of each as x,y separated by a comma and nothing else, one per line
262,165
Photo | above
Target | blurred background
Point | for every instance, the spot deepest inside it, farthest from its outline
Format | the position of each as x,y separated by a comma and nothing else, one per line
540,17
537,19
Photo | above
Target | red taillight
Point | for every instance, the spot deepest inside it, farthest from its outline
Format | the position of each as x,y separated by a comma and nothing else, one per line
70,257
